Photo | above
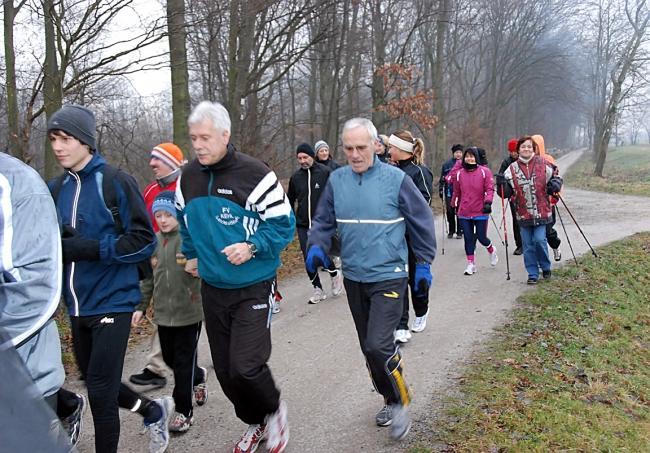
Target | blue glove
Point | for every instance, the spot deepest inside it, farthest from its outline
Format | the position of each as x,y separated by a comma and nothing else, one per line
316,258
422,279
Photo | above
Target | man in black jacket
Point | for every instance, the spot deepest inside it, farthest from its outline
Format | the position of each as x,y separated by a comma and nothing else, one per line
444,191
305,187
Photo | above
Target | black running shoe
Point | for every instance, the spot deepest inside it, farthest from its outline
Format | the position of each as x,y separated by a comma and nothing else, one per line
148,377
73,423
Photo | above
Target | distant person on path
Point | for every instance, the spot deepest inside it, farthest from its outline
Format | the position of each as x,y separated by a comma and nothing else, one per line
473,191
101,273
552,237
324,155
177,310
305,188
235,220
165,161
445,192
408,154
381,148
528,183
373,233
512,157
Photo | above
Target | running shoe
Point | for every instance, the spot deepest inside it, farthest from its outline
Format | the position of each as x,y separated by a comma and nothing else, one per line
401,423
420,322
159,431
557,255
317,296
201,389
385,416
402,335
180,423
518,251
494,258
470,269
251,439
148,377
277,430
73,423
337,284
531,281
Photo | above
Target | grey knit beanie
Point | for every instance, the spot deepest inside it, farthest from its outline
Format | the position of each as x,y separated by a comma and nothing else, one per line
76,121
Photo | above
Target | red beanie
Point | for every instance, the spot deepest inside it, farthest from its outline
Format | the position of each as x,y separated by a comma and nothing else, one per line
512,145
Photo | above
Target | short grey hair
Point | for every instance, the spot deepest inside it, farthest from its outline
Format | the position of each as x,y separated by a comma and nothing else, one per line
361,122
213,112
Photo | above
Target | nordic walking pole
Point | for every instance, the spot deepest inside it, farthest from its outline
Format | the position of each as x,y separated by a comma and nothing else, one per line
444,218
505,234
497,228
576,222
557,210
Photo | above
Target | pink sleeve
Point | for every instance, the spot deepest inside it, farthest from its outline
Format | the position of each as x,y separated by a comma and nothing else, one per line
488,185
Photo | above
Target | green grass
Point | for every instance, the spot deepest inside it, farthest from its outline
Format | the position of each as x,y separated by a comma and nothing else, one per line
571,371
627,171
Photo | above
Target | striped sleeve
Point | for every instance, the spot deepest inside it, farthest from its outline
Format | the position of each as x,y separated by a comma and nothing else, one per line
277,222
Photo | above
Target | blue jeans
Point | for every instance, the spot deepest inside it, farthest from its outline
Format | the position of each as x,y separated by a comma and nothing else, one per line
535,249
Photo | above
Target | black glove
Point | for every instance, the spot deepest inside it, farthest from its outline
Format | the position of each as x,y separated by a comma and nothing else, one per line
500,179
487,207
554,185
76,247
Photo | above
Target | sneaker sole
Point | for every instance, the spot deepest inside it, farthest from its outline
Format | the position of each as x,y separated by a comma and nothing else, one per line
402,435
383,425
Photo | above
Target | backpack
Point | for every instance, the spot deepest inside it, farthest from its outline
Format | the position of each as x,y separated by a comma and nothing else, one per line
110,198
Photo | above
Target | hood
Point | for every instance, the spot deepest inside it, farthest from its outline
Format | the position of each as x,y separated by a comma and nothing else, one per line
541,148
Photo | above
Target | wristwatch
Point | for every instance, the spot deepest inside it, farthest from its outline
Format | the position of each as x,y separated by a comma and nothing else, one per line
252,248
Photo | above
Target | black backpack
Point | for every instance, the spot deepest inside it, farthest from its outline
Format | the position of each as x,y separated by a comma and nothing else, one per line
110,198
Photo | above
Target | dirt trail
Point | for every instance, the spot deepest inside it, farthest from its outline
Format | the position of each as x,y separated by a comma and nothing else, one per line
318,365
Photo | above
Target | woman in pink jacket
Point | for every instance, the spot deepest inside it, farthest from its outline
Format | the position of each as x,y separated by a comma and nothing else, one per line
473,191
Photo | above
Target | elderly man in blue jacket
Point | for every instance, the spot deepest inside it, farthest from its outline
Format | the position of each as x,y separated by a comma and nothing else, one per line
375,257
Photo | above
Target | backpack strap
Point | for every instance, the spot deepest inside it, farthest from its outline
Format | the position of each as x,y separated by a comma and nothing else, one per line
110,174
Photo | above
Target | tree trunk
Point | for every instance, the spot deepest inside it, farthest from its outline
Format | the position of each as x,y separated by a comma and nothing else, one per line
438,81
379,42
52,91
179,73
13,141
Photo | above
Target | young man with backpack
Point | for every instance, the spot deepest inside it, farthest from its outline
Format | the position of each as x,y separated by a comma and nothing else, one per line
106,238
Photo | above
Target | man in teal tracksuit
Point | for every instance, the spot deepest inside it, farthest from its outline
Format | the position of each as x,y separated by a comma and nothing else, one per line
235,220
375,256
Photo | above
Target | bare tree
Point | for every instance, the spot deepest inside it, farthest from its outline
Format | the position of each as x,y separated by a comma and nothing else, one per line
179,71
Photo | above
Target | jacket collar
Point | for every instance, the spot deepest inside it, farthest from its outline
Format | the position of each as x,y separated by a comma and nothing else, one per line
93,165
225,162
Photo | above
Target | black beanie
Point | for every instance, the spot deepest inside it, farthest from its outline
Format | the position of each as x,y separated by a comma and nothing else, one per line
456,147
305,148
76,121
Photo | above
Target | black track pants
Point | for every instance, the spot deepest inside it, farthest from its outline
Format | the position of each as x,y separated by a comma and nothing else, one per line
315,279
238,322
178,345
376,309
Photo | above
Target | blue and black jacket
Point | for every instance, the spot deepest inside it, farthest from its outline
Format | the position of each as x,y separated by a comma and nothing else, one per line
110,284
238,199
372,228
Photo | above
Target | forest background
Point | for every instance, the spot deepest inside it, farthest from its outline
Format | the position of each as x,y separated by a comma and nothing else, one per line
476,72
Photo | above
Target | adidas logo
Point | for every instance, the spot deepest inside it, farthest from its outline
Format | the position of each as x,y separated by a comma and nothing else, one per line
260,306
398,269
317,186
107,320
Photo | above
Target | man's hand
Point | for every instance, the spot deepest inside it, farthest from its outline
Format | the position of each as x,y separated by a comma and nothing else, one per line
136,318
192,267
316,258
423,279
238,253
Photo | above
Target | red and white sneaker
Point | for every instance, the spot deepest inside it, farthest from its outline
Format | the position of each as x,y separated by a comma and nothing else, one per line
250,440
277,430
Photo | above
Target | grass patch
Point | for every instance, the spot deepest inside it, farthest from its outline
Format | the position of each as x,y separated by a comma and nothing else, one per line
627,171
571,371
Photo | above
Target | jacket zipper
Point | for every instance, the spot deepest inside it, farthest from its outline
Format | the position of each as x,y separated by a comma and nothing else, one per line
309,196
75,205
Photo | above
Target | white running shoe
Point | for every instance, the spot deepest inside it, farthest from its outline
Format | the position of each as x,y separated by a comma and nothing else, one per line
317,296
337,284
277,430
494,258
159,431
275,307
402,335
470,269
420,322
557,255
